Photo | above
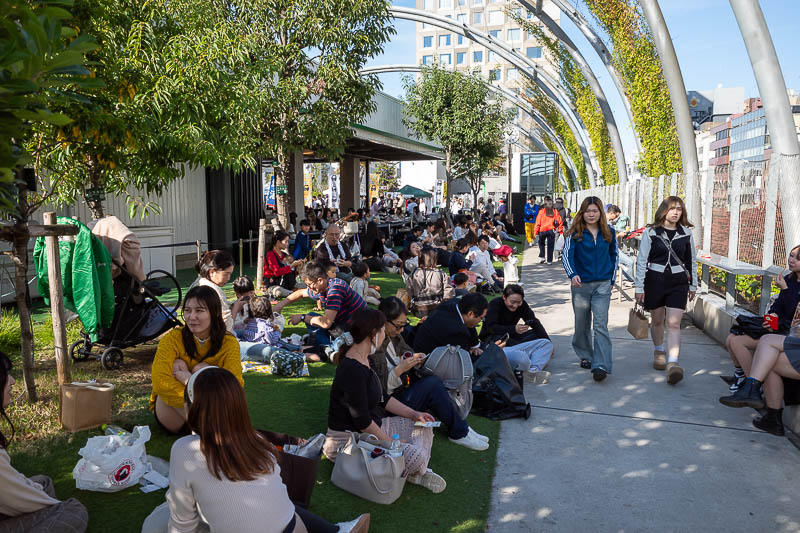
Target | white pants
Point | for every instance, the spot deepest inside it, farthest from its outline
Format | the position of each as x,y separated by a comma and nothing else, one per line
526,356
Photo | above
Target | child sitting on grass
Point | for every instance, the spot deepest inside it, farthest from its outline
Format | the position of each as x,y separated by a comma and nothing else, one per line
461,283
262,328
360,284
244,290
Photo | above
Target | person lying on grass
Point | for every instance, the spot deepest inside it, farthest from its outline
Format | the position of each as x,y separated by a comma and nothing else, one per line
203,341
226,476
357,403
339,300
394,362
30,504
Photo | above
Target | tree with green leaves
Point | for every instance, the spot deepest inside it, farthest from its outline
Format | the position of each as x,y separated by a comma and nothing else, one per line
456,110
42,66
386,174
310,53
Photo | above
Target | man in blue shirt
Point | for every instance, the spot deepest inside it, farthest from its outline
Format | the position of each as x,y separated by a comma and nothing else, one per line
302,243
531,212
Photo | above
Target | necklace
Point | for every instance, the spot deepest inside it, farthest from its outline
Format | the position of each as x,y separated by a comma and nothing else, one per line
201,341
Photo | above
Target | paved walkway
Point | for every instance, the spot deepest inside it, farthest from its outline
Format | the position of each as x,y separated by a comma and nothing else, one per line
633,453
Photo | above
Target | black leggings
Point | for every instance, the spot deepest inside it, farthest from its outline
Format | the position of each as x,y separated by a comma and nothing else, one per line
547,237
287,281
313,523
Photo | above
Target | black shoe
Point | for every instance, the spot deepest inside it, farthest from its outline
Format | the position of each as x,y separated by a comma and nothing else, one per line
599,374
771,422
585,363
748,395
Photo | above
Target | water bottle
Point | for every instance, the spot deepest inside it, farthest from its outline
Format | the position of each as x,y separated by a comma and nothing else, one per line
395,450
115,430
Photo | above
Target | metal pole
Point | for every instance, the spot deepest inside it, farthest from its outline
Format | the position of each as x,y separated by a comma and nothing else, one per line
241,258
772,88
250,248
680,105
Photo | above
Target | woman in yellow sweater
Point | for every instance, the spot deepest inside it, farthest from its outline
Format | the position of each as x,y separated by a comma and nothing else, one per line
203,341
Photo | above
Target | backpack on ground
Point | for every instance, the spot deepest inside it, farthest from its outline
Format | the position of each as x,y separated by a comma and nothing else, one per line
454,366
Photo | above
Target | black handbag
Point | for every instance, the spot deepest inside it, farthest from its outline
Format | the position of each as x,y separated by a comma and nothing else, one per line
752,326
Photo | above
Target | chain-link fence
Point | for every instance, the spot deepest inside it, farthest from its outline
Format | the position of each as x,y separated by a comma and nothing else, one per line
747,209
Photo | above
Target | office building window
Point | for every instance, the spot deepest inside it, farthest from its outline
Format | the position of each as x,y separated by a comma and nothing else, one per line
514,34
428,5
495,17
444,4
462,2
461,17
460,58
445,59
493,57
477,17
477,57
495,34
495,75
533,52
427,60
459,40
444,40
477,2
512,74
427,41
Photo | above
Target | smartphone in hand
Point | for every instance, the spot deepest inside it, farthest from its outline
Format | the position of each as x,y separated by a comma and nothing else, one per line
504,338
772,322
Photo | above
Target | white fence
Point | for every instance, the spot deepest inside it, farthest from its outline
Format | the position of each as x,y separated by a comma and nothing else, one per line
748,220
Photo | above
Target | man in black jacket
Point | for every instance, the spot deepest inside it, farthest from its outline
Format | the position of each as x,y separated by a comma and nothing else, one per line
454,322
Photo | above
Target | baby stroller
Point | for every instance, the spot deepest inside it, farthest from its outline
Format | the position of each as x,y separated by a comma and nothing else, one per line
138,314
138,317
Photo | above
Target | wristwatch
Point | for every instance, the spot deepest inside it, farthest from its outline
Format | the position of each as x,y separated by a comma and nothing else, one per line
303,318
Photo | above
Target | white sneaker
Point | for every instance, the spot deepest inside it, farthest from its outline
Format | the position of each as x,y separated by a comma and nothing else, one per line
430,480
471,441
478,435
549,262
542,260
539,377
359,525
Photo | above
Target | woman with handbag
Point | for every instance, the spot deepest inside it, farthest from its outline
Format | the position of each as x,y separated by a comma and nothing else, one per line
743,340
357,403
666,277
590,261
225,476
427,285
30,504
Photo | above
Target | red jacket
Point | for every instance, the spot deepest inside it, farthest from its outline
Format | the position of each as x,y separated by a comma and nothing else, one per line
546,223
274,267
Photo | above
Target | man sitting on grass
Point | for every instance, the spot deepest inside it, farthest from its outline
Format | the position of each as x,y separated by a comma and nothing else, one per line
339,300
453,322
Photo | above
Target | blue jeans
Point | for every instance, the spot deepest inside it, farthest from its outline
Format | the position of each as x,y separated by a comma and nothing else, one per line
318,336
430,394
590,303
252,351
627,263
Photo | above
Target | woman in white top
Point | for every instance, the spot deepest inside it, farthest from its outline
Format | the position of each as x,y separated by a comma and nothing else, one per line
214,270
30,504
225,476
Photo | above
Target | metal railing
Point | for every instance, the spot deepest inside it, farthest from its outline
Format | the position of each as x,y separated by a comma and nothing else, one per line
742,210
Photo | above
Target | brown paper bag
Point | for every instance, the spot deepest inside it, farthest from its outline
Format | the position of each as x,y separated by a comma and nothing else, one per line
402,295
638,324
85,405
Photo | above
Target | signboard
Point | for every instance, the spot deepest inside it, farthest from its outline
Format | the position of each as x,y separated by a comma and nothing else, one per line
97,194
281,190
307,187
268,174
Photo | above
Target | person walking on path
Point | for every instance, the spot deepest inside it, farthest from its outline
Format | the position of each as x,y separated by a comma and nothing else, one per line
590,261
666,277
548,223
531,212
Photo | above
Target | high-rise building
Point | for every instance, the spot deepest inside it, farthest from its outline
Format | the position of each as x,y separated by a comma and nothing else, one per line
488,16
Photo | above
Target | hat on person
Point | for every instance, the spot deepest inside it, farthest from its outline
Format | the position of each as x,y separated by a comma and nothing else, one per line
190,383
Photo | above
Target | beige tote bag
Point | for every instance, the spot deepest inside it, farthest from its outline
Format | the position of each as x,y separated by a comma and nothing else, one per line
375,477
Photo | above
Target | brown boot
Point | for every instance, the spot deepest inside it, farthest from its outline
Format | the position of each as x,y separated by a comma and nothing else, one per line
674,373
659,360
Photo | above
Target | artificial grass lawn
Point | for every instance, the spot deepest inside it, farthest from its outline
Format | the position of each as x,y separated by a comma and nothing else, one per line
294,406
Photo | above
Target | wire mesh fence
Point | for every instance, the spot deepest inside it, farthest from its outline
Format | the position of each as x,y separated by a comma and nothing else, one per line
750,210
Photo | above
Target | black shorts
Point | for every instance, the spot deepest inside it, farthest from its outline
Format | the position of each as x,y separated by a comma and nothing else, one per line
665,289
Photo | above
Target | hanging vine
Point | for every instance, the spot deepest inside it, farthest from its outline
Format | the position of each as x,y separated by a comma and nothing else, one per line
635,57
580,94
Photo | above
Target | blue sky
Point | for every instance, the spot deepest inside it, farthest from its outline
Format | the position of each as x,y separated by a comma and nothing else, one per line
704,33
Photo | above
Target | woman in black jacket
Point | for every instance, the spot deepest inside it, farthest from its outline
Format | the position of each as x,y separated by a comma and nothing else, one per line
528,347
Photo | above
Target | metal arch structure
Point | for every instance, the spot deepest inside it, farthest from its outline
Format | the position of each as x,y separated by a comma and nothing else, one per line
594,84
508,94
605,57
525,65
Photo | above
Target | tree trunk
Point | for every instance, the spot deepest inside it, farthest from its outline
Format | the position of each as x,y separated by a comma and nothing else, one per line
20,258
282,200
447,182
94,182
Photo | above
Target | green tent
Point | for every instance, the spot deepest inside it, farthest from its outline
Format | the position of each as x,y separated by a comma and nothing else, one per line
408,190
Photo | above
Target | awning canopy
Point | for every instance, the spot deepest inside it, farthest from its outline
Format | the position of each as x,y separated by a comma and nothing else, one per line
408,190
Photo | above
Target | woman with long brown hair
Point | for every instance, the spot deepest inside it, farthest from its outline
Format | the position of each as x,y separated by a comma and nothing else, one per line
225,476
590,260
203,341
666,277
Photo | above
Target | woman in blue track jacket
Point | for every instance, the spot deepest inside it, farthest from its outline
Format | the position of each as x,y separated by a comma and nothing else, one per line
590,260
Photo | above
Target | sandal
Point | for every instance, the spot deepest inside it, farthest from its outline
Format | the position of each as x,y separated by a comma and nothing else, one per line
585,363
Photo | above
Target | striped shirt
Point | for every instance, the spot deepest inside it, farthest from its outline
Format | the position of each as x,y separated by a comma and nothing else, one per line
260,330
342,299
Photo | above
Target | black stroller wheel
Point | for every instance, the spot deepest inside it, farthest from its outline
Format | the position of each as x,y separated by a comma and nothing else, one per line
111,359
173,285
80,351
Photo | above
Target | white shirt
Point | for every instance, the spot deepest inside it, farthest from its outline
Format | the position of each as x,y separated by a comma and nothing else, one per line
459,232
410,207
481,263
423,208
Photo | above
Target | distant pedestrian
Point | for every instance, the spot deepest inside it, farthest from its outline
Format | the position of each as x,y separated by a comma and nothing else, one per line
590,260
531,211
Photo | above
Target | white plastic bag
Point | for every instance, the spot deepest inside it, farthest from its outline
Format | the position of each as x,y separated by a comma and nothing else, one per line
559,247
510,271
112,462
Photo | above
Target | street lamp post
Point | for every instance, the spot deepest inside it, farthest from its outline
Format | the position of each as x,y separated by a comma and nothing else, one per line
510,137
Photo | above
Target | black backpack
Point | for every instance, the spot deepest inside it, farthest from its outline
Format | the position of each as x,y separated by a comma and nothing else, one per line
496,390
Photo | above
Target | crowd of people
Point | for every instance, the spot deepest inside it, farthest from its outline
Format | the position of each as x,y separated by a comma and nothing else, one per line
227,475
